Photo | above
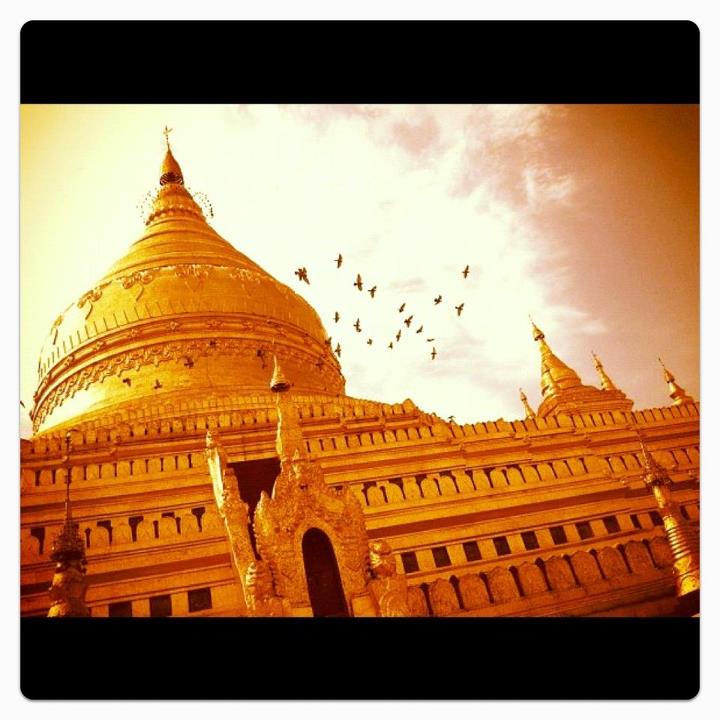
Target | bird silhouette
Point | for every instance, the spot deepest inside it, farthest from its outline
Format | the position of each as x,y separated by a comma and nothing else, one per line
408,320
397,337
459,308
338,350
433,353
157,385
328,342
438,299
369,342
431,340
466,271
357,326
337,316
402,307
302,275
358,282
338,260
390,345
127,381
372,291
188,362
451,419
319,363
419,330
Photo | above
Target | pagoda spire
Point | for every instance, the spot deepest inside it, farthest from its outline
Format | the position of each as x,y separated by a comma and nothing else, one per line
605,382
289,441
677,393
170,171
529,412
683,536
172,200
69,584
556,376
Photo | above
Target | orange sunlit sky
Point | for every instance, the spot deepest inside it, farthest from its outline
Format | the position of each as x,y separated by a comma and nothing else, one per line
585,216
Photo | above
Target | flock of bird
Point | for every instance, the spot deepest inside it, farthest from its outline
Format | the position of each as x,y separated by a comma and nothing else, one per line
302,275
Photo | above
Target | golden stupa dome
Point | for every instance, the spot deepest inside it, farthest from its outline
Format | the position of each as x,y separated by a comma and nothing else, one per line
183,320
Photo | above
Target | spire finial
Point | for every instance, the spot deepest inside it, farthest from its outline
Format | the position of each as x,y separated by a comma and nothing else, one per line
677,393
68,588
278,383
538,334
605,382
529,412
170,172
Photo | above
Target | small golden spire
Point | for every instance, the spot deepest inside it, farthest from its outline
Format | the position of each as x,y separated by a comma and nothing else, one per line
67,592
677,393
555,375
537,332
682,535
278,382
529,412
605,382
170,172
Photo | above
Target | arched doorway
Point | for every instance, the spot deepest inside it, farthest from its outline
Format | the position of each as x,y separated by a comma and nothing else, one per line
322,574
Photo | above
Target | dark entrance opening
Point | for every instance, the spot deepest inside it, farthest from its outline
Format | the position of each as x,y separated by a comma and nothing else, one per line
322,574
254,476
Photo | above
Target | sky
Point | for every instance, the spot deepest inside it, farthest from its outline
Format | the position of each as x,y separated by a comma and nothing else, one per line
585,217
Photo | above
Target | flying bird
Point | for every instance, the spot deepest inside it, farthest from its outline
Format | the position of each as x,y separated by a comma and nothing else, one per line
302,275
390,345
369,342
397,337
357,326
328,342
337,349
372,291
358,282
408,320
451,419
338,260
23,404
438,299
337,316
157,385
127,381
402,307
430,340
459,308
466,271
188,362
433,353
420,329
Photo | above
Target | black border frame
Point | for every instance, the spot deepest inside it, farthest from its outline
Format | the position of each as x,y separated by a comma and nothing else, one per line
374,62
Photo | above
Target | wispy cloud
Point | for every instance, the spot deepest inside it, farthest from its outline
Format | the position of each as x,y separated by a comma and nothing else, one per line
410,195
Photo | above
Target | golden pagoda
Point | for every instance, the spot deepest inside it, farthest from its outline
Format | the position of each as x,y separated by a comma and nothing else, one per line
219,469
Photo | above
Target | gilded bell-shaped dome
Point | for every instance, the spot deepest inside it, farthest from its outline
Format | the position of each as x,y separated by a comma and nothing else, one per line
182,320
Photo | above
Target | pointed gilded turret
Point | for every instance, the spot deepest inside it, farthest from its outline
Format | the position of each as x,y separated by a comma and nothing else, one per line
170,171
529,412
605,382
67,592
556,376
677,393
172,200
278,383
289,441
682,535
564,393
